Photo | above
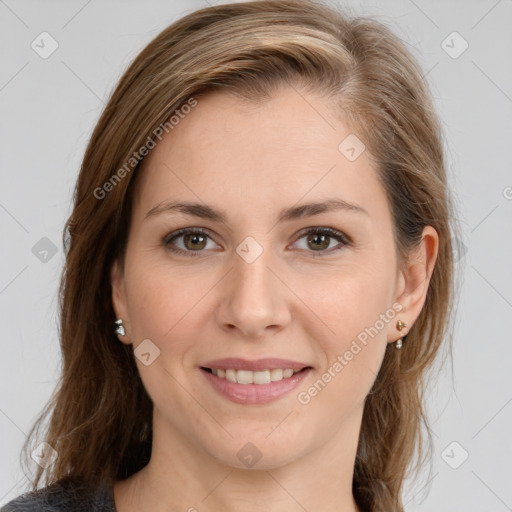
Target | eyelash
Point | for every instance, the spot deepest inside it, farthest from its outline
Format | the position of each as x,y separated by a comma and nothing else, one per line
331,233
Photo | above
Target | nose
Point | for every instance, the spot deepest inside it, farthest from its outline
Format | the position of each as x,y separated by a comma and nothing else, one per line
254,299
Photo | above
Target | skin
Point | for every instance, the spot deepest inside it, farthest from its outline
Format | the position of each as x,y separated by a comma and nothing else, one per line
251,161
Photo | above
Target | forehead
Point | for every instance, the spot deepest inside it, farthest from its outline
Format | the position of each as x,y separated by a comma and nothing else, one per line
275,152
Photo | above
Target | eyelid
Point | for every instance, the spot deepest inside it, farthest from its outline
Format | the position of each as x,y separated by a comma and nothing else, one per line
333,233
185,231
342,239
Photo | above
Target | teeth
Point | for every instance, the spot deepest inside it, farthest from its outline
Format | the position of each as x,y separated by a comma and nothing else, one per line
259,377
276,375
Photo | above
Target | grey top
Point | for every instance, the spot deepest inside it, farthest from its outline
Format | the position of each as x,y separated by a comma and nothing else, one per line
64,497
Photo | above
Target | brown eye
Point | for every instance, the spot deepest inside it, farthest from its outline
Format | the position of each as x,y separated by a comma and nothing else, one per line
318,242
194,241
188,241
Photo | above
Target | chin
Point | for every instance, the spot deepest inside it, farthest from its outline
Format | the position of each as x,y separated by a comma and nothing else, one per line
257,451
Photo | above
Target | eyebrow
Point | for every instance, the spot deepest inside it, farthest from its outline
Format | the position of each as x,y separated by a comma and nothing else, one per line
204,211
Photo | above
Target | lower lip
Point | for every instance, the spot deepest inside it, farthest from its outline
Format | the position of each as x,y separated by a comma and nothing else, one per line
250,394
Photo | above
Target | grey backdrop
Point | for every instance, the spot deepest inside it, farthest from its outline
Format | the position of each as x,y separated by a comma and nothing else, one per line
49,103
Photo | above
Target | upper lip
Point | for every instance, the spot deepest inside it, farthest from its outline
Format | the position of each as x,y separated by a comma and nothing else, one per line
236,363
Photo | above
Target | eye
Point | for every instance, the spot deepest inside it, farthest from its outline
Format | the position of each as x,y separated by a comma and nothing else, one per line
319,240
188,241
192,240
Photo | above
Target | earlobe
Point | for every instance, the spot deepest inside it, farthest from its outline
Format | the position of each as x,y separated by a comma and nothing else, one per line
121,322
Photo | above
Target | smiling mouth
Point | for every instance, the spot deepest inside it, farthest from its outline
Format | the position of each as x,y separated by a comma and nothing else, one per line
254,377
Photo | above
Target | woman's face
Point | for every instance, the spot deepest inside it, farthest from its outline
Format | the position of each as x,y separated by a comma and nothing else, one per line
259,286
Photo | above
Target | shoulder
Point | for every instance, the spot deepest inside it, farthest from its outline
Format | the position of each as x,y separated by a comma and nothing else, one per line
64,497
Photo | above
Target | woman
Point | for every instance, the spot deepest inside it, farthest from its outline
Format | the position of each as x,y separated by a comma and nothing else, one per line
258,273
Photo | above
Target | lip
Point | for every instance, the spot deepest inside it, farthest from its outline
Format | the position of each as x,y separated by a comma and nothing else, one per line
251,394
237,363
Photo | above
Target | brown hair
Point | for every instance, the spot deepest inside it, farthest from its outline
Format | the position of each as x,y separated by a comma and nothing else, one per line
101,415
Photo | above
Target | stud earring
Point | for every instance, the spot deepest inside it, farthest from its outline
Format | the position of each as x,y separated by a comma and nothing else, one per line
119,327
400,325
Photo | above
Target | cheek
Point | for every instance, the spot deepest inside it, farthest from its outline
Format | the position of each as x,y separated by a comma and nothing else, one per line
163,307
358,313
355,309
160,297
347,300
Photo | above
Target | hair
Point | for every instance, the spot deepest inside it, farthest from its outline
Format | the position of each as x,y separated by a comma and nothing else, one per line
101,414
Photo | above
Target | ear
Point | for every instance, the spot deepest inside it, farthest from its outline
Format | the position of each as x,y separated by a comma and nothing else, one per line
414,280
119,302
